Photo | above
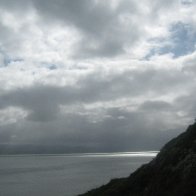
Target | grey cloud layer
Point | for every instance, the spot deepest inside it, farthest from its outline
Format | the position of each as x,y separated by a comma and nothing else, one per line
95,87
120,131
103,93
102,30
114,128
103,33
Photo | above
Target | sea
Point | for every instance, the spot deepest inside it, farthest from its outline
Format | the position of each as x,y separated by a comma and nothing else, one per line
65,174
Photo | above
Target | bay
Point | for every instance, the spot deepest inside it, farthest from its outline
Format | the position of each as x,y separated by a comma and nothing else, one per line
65,175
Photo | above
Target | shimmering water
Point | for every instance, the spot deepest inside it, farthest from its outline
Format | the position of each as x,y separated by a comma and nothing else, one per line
64,175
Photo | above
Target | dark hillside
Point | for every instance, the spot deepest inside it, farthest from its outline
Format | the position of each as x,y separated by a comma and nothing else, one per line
171,173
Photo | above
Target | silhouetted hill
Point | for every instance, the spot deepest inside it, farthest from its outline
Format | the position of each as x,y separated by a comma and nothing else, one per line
171,173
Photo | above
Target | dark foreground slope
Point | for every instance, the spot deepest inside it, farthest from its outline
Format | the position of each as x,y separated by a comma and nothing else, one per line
171,173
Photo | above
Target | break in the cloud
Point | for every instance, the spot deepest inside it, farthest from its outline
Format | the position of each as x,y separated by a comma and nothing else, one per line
97,75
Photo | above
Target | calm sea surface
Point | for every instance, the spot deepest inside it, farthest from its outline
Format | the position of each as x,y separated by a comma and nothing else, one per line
64,175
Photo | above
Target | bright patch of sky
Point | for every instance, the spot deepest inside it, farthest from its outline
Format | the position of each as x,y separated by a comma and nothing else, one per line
183,40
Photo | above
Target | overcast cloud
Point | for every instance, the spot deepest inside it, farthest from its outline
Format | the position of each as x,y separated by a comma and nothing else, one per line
102,75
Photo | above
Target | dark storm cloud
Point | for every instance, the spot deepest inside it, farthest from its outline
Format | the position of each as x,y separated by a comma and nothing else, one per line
103,34
121,130
86,15
13,5
187,104
42,101
5,135
114,129
156,106
136,129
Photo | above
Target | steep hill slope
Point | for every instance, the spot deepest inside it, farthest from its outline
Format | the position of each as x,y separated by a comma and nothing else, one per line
171,173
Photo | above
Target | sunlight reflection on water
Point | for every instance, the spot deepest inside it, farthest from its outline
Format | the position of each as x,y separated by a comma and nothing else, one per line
60,175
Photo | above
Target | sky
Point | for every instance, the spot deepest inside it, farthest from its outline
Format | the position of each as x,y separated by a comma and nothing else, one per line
116,75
